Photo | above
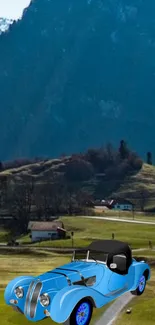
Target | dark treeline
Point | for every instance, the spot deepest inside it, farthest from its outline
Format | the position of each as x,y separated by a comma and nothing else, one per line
63,184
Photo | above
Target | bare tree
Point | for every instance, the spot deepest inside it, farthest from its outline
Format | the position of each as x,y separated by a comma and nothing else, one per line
49,197
143,198
19,202
3,191
149,158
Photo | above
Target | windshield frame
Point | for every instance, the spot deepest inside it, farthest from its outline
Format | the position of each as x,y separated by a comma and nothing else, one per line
87,257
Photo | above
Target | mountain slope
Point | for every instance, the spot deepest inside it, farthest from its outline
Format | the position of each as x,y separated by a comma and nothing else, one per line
139,185
75,74
141,182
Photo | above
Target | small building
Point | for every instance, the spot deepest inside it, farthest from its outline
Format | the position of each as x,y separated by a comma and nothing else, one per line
119,204
46,230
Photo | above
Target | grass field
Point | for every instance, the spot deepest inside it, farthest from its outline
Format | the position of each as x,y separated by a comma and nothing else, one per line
140,216
143,307
86,230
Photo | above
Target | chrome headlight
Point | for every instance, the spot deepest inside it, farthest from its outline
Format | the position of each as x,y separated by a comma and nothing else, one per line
19,292
44,300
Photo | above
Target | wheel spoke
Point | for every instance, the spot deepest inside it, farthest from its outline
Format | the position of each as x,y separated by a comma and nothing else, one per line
82,314
142,283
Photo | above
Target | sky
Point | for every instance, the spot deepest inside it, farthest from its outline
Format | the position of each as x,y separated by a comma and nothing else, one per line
13,9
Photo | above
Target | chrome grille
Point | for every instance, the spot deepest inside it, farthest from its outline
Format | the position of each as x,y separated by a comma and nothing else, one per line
34,300
28,297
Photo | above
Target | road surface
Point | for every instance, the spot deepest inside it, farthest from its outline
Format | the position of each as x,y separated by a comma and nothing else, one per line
113,311
119,220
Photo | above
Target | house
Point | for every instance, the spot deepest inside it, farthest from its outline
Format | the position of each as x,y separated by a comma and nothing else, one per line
46,230
122,204
119,204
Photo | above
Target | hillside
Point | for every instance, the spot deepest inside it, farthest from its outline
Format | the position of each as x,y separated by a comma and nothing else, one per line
77,171
140,187
70,78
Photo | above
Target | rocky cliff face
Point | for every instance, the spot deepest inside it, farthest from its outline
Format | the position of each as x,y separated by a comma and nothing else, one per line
76,74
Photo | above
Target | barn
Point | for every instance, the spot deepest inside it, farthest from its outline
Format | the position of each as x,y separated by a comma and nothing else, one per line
46,230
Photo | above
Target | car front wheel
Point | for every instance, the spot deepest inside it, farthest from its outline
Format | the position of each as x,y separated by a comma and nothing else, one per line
141,286
81,314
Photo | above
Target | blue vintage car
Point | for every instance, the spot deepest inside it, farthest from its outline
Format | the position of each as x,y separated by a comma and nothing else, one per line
67,294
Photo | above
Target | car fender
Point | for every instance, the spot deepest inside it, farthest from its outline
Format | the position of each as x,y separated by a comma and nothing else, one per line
66,299
140,268
19,281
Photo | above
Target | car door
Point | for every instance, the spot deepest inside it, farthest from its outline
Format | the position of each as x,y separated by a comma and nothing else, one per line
118,280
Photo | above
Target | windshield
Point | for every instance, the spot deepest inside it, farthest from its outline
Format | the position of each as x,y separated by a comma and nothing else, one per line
86,256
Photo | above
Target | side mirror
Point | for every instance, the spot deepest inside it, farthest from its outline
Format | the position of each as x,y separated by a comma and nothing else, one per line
113,266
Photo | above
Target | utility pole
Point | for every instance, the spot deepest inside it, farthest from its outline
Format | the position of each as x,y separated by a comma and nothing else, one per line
72,234
133,212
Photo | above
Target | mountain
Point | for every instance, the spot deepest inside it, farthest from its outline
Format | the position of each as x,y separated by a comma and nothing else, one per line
75,74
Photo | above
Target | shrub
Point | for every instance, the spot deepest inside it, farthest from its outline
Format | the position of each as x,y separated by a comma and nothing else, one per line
79,170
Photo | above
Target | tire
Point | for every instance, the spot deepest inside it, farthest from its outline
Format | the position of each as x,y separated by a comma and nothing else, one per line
17,309
75,318
141,286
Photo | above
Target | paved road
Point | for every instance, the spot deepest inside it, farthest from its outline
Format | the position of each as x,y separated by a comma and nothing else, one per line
54,249
113,311
119,220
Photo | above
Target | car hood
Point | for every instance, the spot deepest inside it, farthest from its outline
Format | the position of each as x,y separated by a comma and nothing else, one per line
59,277
53,281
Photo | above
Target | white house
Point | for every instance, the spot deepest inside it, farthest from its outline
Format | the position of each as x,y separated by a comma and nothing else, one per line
121,204
45,230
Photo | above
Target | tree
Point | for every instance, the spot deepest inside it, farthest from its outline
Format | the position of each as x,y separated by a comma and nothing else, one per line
49,197
1,166
79,170
100,158
149,158
84,199
3,191
19,203
143,198
123,150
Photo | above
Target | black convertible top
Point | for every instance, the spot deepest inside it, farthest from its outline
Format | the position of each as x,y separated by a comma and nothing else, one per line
110,247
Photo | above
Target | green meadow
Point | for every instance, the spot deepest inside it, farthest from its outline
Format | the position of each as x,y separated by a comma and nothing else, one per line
86,230
143,307
35,261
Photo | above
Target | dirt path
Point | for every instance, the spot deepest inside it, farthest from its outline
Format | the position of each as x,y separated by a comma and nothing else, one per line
120,220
